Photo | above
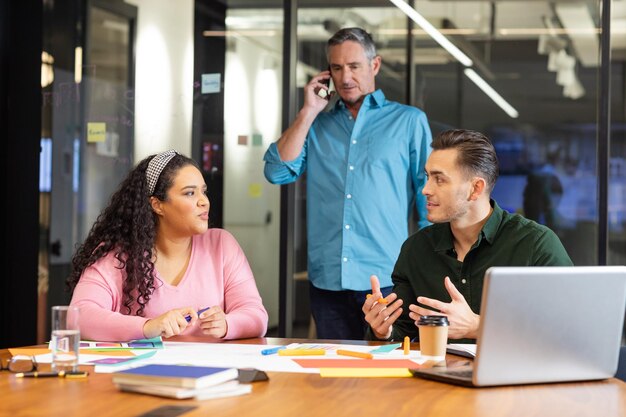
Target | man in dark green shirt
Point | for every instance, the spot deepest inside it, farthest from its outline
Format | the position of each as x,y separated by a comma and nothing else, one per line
442,266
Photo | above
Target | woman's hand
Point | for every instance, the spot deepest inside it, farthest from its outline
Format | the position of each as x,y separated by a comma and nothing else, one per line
170,323
213,322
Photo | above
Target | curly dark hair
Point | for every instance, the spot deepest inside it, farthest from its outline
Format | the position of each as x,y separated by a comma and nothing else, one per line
128,227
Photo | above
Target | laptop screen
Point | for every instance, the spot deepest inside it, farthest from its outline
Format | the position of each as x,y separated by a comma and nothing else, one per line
545,324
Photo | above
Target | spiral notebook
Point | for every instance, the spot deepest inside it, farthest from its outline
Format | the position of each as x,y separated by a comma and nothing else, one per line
545,324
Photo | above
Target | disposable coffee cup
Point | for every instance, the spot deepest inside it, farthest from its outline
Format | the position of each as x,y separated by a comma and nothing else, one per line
433,332
65,339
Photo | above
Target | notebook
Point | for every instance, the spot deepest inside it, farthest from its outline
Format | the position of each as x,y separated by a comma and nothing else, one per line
181,376
545,324
225,389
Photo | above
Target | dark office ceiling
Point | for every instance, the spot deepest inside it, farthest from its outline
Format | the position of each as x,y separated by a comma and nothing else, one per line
304,3
487,20
503,38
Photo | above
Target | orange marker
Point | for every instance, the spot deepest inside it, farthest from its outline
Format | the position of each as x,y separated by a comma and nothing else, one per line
407,345
363,355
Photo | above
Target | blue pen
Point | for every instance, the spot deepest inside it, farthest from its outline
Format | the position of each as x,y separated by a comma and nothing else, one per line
188,318
272,350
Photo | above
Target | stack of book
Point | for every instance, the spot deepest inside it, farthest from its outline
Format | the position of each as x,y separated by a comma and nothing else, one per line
181,381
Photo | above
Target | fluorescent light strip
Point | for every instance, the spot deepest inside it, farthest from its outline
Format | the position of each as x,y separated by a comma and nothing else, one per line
497,98
433,32
78,64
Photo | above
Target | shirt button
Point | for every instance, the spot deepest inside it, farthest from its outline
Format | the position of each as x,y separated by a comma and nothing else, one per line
354,142
347,226
349,196
350,117
351,167
463,281
345,259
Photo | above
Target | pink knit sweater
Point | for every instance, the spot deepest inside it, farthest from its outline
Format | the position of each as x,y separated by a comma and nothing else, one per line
218,274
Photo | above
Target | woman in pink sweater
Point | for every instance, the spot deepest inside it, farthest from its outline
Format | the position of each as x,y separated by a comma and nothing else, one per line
150,263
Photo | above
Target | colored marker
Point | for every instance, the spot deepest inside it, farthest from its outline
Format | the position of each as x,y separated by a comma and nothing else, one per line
301,352
272,350
188,318
407,345
380,300
363,355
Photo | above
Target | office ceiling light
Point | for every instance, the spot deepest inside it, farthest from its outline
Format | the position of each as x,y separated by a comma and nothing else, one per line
458,54
574,90
577,20
497,98
433,32
549,43
78,64
564,66
47,69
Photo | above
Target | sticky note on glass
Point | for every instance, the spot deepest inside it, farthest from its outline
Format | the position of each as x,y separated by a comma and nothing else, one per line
211,83
96,132
255,190
257,139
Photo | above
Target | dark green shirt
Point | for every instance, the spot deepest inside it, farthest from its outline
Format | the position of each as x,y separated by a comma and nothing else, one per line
428,256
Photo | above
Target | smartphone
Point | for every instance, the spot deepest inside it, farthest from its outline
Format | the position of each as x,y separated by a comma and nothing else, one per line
325,92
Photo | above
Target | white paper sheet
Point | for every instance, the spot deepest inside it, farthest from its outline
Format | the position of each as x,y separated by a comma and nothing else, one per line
240,356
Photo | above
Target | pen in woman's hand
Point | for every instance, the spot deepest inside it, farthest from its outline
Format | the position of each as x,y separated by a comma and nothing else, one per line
188,318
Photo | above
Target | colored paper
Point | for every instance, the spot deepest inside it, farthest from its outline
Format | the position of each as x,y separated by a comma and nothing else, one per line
386,348
365,372
301,352
154,343
43,351
357,363
29,351
115,361
106,352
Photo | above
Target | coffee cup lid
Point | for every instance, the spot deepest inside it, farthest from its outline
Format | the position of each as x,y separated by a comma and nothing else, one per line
433,321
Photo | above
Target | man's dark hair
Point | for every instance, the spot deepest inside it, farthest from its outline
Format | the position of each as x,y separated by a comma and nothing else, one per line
476,154
356,35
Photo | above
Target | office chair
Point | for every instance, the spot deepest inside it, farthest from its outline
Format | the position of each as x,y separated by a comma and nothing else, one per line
621,364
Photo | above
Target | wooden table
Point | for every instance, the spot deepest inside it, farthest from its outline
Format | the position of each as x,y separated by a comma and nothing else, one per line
303,395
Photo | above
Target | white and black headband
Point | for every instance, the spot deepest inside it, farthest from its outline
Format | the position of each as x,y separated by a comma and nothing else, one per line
155,167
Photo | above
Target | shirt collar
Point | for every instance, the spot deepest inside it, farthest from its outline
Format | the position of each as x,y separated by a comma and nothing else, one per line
489,230
375,99
493,222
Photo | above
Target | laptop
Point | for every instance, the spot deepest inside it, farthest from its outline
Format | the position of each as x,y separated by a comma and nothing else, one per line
544,324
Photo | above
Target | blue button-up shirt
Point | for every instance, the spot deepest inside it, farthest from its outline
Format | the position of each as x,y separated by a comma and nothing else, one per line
363,176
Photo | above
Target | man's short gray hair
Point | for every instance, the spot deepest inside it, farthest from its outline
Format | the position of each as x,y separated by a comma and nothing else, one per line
356,35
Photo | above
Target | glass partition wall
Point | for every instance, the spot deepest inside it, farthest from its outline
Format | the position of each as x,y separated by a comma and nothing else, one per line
252,121
532,85
87,139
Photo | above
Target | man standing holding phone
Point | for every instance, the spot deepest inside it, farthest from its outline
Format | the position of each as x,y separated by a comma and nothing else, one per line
365,159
